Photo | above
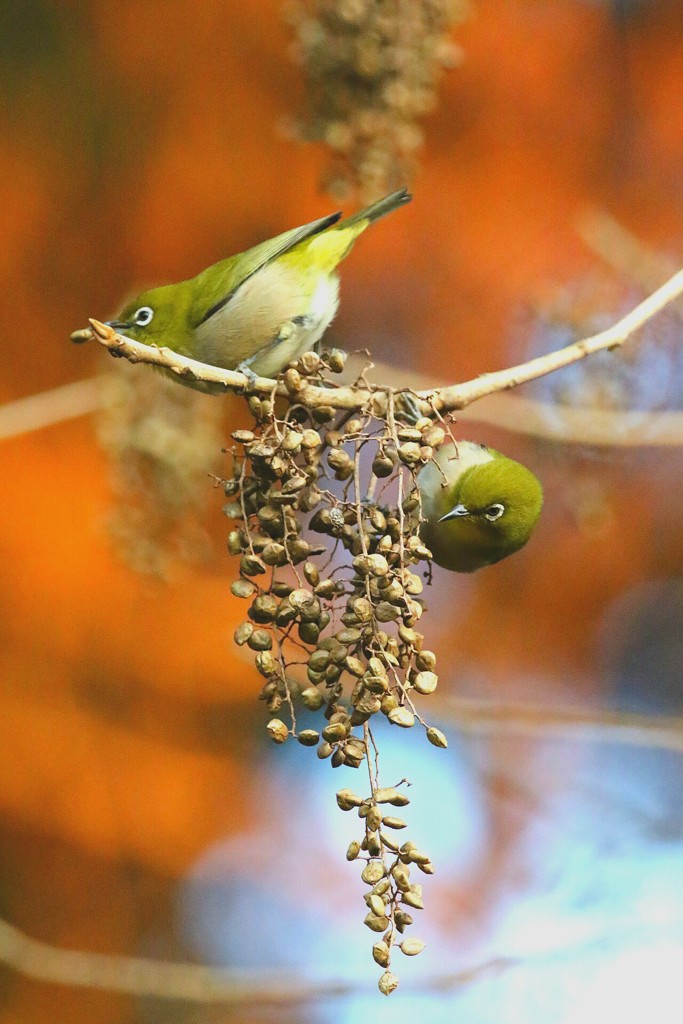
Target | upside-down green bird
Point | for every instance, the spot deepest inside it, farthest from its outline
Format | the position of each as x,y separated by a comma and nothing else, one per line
259,309
479,506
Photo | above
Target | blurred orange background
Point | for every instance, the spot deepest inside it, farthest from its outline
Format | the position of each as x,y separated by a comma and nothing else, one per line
141,142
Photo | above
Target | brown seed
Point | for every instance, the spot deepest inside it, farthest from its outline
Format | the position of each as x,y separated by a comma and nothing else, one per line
376,904
402,920
326,588
373,872
433,436
409,453
381,953
309,632
374,922
436,737
373,818
413,583
334,732
243,436
388,983
324,750
242,588
411,947
263,608
347,799
311,439
425,660
336,360
353,850
401,876
260,640
308,737
234,542
291,442
293,381
323,413
402,717
251,565
242,633
265,663
389,703
386,612
425,682
409,434
391,822
277,730
309,363
312,698
311,573
355,666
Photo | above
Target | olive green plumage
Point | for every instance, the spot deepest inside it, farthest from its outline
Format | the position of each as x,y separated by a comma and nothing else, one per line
261,308
479,506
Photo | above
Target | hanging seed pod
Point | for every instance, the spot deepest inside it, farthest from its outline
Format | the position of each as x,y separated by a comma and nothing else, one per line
336,360
411,947
425,660
373,871
388,983
436,737
374,922
263,608
381,953
309,632
242,588
235,544
311,439
434,436
402,717
425,682
409,453
265,663
251,565
353,850
384,462
277,730
402,920
260,640
312,698
312,574
308,737
242,633
324,750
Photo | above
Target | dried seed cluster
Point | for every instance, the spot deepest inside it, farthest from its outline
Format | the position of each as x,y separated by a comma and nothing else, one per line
328,566
391,895
372,67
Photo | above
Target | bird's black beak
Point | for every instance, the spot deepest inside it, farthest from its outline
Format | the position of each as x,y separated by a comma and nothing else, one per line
117,324
455,513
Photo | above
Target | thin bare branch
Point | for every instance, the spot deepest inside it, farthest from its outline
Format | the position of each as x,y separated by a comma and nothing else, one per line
446,399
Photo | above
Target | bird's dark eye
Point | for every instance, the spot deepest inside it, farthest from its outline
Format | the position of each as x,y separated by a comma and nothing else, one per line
143,316
494,512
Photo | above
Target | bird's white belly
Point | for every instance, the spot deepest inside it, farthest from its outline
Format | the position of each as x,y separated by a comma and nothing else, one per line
274,303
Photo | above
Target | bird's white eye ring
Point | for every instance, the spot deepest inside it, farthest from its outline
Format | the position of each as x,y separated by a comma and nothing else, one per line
494,512
143,316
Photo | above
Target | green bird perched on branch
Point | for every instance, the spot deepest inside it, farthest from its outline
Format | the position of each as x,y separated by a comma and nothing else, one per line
255,311
479,506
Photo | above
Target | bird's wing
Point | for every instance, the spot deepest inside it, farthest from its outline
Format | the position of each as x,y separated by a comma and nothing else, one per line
215,286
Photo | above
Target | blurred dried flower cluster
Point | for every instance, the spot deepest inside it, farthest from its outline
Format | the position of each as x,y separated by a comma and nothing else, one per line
347,626
162,441
372,69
